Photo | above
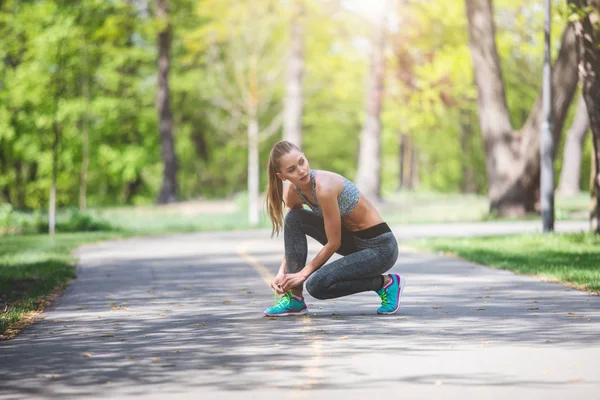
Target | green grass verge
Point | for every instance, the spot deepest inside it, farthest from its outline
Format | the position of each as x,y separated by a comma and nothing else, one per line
569,258
33,268
432,207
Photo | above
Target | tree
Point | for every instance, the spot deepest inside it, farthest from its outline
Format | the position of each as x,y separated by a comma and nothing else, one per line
570,175
433,97
368,177
586,17
512,157
85,89
292,120
57,129
168,191
243,63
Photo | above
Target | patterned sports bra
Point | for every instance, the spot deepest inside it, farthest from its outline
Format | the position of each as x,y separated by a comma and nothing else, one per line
347,200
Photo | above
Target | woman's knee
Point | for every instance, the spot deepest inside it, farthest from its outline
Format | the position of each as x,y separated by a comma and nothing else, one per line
293,217
316,288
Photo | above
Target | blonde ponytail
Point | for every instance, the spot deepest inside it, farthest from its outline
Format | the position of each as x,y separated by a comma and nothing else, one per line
274,198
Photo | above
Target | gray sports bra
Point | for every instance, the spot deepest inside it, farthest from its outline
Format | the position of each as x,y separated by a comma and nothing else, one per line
347,200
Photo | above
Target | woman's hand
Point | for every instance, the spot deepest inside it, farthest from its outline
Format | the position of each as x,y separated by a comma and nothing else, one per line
290,281
276,283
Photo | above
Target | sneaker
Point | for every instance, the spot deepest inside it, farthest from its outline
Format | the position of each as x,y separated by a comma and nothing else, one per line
287,305
391,294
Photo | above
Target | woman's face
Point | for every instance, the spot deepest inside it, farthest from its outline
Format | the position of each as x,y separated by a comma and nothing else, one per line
293,167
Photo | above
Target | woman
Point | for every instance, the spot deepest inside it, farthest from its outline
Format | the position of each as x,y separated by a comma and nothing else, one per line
343,221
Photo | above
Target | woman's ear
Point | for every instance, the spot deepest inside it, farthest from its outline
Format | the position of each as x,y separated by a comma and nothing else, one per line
279,176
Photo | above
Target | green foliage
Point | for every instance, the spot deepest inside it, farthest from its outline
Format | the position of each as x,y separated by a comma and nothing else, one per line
435,98
51,50
335,82
68,220
73,220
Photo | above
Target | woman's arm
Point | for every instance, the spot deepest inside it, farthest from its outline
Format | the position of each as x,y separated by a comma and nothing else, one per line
327,196
327,193
291,200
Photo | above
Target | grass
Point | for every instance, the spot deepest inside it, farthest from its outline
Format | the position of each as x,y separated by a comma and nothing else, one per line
33,270
153,221
569,258
431,207
219,215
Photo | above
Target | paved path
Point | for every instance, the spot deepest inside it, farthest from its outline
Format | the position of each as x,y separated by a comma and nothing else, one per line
180,317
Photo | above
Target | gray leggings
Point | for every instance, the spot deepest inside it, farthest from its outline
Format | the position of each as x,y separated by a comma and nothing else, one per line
365,259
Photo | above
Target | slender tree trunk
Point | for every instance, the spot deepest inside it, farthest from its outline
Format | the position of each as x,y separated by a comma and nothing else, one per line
4,190
85,152
414,168
512,158
132,188
401,161
253,171
408,163
292,122
20,184
58,91
466,133
168,191
588,40
570,175
369,160
52,208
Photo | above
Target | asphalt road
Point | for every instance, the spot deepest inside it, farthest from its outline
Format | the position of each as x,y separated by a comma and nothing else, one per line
181,317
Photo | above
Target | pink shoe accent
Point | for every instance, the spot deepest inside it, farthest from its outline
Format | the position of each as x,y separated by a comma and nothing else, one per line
391,281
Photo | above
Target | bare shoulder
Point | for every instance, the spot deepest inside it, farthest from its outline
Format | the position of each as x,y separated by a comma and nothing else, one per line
328,183
290,196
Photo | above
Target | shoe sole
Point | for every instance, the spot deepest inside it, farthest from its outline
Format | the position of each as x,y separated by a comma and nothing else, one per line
402,283
287,314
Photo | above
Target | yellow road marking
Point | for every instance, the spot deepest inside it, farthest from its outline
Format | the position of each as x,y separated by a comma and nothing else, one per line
263,271
313,369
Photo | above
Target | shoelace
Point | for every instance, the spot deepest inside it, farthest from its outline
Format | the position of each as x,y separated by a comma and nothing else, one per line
284,300
384,298
275,296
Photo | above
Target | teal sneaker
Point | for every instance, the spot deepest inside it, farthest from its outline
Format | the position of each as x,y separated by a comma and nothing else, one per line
287,305
391,294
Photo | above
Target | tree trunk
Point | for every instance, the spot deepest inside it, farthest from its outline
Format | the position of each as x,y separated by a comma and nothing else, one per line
467,184
253,171
85,151
594,211
168,191
52,206
512,158
58,90
494,119
401,161
4,166
292,123
132,188
564,85
20,181
369,160
588,40
413,182
570,175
